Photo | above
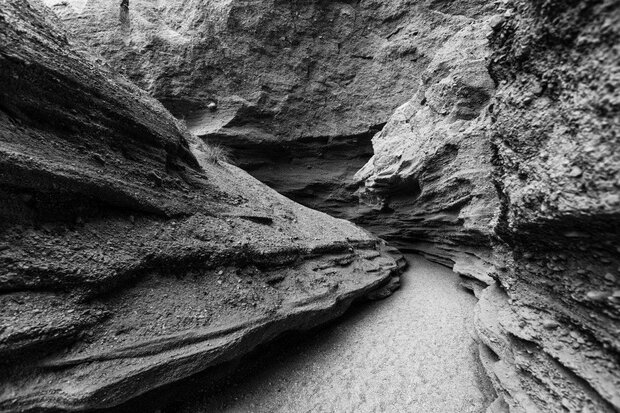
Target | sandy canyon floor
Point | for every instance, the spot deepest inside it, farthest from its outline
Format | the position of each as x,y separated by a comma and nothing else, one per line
412,352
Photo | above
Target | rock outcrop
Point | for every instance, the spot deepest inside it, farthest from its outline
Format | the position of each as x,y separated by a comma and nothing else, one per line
130,255
283,86
429,183
505,164
499,154
555,123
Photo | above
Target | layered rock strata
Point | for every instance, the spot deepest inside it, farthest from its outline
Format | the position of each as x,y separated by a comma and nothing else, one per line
515,182
284,86
504,163
429,183
130,255
555,124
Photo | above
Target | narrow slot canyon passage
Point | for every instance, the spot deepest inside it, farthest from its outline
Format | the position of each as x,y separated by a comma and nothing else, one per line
199,200
412,352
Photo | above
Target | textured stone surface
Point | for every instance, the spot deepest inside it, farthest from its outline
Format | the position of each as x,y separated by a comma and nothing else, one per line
555,129
515,182
500,159
293,83
130,258
430,179
287,71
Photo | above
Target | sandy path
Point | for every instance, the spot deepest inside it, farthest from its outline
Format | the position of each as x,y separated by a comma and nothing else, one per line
410,353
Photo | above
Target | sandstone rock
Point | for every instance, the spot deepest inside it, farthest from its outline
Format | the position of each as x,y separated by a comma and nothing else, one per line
96,259
576,137
505,157
513,179
295,86
431,171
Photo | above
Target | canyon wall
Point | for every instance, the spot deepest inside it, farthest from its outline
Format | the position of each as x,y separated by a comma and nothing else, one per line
554,129
506,165
497,154
294,89
131,256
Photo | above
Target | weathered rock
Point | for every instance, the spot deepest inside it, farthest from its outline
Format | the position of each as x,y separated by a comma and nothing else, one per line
430,179
130,258
520,190
296,86
555,129
504,164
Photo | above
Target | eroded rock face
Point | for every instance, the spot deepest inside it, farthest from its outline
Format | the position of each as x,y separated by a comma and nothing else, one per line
130,258
515,181
504,164
430,179
555,126
284,86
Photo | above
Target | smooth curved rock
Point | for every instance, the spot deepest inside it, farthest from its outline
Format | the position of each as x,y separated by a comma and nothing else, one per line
129,256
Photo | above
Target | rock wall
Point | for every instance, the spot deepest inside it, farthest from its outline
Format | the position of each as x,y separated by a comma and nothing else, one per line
499,154
505,164
555,124
284,86
130,256
429,183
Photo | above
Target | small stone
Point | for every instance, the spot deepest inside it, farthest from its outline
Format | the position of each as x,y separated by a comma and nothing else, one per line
567,404
496,22
611,199
550,324
537,89
98,158
596,295
212,106
609,277
576,172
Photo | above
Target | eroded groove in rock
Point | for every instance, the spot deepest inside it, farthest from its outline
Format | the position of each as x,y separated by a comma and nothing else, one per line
131,257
